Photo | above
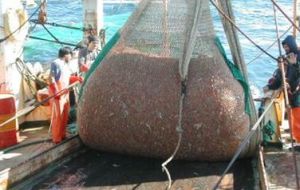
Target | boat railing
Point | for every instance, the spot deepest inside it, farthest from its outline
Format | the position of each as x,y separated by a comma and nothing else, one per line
269,110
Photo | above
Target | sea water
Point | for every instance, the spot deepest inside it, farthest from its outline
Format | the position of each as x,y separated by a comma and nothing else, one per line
254,17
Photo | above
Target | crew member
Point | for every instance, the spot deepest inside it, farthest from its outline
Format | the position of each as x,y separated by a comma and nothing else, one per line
88,54
292,65
60,78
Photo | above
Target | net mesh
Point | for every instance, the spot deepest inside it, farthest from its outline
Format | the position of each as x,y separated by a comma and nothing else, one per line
130,102
161,29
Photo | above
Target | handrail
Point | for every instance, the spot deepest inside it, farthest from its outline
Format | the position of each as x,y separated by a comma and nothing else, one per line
37,104
244,143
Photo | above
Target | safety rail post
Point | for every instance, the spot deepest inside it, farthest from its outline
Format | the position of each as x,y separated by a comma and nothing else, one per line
288,107
261,167
295,17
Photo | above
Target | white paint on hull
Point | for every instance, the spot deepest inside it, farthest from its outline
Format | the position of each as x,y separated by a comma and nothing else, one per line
93,14
9,51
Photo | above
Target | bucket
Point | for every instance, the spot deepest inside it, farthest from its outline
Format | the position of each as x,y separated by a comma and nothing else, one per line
8,133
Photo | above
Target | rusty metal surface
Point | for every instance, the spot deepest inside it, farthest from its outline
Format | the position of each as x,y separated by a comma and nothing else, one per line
98,170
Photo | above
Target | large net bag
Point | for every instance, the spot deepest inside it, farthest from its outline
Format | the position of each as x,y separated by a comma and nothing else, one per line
133,101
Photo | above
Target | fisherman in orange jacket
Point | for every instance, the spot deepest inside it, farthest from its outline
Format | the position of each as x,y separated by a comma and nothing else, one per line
60,78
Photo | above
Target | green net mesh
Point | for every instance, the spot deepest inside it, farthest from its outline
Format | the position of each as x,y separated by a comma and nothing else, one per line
237,75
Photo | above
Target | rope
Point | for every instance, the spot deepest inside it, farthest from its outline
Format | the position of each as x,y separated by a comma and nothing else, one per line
183,71
258,56
23,67
58,25
60,42
163,165
56,39
243,144
23,24
244,34
28,76
285,15
166,51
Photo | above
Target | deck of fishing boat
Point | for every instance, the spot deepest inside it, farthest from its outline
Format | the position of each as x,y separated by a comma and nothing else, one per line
37,163
102,170
279,163
34,151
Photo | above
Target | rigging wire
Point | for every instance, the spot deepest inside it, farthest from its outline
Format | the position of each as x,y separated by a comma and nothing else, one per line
277,30
53,41
21,49
52,35
22,25
58,25
262,53
285,15
243,33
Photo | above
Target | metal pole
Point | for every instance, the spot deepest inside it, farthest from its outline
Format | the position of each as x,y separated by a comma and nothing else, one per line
286,16
285,91
277,30
295,17
289,119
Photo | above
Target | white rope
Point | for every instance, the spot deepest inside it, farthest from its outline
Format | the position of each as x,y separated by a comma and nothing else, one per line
183,71
179,131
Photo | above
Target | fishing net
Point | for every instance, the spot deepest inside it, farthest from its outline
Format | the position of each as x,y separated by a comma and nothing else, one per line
130,103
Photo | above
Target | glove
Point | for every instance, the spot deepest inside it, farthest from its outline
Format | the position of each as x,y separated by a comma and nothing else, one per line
84,68
52,88
74,79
